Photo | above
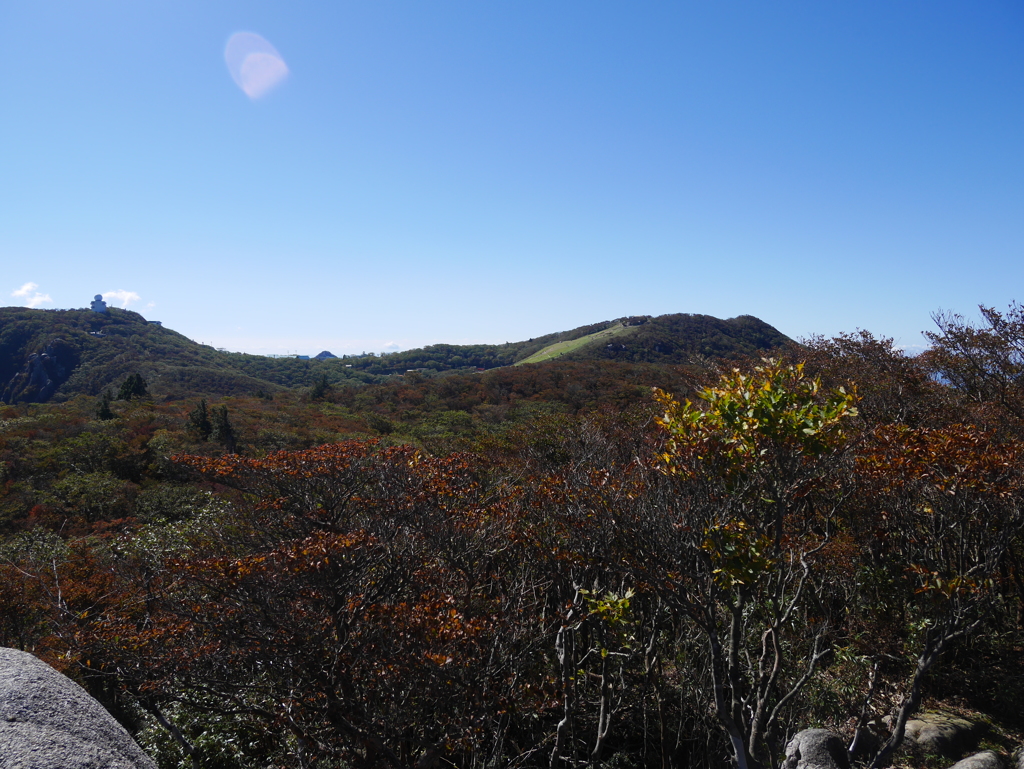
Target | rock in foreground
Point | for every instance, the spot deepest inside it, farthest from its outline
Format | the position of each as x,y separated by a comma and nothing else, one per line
941,733
987,759
47,721
816,749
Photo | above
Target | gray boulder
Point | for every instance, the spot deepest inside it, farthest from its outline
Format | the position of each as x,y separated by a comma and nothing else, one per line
942,733
816,749
47,721
986,759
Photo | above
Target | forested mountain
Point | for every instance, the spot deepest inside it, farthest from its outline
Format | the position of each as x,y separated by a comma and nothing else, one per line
57,354
677,338
681,337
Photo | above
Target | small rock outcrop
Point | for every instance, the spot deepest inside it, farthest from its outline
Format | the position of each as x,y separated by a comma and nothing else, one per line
941,733
47,721
816,749
986,759
42,374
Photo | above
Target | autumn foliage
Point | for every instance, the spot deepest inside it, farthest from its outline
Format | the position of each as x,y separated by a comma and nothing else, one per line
681,578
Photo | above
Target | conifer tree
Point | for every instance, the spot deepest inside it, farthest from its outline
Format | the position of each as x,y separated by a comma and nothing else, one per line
132,387
199,425
320,388
103,410
221,429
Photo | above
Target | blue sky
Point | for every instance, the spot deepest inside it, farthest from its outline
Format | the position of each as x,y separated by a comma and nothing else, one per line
493,170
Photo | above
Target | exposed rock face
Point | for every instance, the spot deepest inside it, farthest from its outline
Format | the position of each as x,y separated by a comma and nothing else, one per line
816,749
987,759
941,733
43,373
47,721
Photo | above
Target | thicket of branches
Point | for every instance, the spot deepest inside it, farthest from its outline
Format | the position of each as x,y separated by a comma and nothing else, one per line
683,583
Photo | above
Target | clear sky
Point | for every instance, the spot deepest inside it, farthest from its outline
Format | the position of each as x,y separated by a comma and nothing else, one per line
386,174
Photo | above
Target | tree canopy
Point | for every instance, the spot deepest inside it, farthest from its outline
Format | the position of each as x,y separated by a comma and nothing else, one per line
574,563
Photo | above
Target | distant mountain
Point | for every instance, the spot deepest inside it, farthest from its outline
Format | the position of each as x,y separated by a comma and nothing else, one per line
57,354
677,338
48,354
670,339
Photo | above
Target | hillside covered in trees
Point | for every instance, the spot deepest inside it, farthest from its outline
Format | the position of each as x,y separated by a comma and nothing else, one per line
594,561
80,352
57,354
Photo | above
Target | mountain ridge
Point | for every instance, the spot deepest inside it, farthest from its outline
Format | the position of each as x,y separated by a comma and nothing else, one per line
58,354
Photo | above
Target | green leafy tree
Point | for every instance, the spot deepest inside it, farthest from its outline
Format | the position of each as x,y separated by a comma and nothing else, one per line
757,466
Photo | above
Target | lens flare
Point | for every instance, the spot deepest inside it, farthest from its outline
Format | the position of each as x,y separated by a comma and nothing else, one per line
254,64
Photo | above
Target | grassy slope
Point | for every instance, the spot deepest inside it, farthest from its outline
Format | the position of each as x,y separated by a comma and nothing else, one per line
562,348
684,338
670,339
